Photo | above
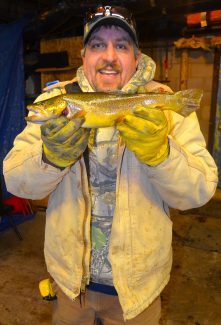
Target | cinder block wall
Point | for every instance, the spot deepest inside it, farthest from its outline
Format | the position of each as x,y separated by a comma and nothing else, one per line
200,75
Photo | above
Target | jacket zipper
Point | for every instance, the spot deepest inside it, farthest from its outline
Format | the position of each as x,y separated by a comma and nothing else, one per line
83,291
85,277
84,282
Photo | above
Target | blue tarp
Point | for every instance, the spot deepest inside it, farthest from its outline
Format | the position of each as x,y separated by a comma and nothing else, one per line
12,92
12,85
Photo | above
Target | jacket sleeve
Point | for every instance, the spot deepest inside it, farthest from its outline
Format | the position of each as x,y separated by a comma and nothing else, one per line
25,173
188,178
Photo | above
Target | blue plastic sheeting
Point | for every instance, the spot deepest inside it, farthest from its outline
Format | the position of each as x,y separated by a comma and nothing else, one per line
17,219
12,95
12,85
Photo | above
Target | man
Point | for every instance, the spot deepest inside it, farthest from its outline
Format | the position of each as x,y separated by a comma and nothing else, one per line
108,231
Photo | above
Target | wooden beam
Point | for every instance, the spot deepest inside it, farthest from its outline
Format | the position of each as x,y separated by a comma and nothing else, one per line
184,69
215,85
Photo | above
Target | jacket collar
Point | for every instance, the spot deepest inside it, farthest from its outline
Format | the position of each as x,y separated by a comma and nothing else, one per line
145,73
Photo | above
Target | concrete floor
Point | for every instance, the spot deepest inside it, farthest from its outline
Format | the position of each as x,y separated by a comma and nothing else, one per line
192,297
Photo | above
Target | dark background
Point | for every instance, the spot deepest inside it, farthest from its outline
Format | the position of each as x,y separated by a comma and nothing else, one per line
156,19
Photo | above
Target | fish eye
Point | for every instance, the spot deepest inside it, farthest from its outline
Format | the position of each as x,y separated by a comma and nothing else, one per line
63,104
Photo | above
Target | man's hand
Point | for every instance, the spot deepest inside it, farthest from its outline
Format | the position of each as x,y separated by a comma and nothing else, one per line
145,133
64,140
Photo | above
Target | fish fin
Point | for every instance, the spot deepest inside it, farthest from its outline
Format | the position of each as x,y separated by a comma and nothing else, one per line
78,115
119,119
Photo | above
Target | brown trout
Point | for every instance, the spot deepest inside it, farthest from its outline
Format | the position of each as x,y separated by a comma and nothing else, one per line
105,109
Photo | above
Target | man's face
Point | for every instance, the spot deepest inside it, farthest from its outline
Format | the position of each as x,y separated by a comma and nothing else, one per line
109,61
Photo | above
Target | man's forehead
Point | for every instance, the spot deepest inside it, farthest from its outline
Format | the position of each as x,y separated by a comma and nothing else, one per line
116,32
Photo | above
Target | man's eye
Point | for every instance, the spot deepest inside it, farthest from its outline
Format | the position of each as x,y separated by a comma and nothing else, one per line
121,46
97,46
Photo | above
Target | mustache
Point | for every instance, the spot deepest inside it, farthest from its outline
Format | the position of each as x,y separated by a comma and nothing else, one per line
114,66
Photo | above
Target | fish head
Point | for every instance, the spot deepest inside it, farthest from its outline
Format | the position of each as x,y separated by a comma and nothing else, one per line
47,109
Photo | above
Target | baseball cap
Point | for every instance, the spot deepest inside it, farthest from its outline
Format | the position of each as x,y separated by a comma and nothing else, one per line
109,15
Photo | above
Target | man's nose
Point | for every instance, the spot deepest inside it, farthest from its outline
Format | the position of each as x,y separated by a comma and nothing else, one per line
110,53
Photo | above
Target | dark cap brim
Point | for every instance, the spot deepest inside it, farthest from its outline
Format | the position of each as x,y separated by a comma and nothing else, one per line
110,20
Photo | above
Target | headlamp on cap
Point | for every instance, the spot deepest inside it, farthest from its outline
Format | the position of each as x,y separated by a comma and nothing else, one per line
109,15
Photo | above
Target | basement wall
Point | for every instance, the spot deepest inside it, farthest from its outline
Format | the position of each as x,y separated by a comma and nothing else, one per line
199,75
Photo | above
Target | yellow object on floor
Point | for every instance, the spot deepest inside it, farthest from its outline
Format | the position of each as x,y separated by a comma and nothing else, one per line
46,290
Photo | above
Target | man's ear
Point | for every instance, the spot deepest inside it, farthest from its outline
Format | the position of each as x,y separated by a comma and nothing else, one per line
138,58
83,53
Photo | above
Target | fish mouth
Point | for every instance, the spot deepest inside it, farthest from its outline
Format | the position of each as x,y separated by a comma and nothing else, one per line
38,111
35,111
38,114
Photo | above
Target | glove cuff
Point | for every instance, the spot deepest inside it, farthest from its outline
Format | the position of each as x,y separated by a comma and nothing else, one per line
54,160
160,156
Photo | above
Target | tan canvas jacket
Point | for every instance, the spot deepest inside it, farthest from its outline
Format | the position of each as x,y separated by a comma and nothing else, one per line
140,245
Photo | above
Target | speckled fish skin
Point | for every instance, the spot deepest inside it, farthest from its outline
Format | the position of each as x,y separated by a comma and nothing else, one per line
104,109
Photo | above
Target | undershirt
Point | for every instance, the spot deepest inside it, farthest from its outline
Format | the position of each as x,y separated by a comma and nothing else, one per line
103,165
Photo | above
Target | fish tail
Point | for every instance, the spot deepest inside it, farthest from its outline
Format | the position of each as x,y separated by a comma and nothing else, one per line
188,101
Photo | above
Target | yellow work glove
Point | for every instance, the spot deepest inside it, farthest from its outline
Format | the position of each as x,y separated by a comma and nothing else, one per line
64,140
145,133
